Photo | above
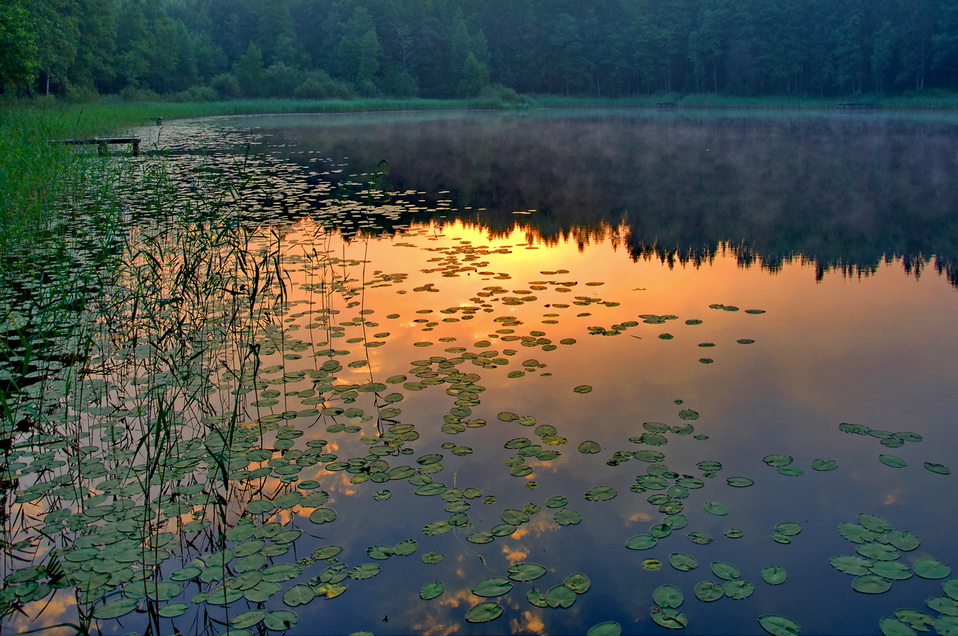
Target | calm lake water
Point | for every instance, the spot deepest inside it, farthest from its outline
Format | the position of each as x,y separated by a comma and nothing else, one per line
626,344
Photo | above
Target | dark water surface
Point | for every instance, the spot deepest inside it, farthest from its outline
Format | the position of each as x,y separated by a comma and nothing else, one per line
704,297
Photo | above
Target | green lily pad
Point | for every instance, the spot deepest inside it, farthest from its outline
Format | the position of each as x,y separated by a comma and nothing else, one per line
556,502
855,533
893,461
583,388
432,558
492,587
577,582
871,584
590,448
689,414
601,493
567,517
893,570
734,533
430,591
323,515
893,627
172,610
281,620
525,571
609,628
716,508
931,569
670,618
481,537
683,562
778,460
878,551
115,609
940,469
739,482
641,542
725,571
248,618
824,465
560,596
779,625
298,595
789,528
853,565
874,522
916,619
774,575
738,589
708,591
701,538
668,596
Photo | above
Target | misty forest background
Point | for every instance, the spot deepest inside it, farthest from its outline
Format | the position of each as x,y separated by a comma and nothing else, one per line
226,49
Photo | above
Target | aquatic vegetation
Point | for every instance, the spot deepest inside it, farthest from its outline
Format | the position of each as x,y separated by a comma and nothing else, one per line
262,421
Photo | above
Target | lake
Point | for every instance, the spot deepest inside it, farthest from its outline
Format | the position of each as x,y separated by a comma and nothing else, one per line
515,372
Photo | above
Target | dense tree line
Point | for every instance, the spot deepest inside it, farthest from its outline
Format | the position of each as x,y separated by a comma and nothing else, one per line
203,49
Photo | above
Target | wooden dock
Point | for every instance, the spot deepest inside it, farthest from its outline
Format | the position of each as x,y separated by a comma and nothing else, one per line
103,142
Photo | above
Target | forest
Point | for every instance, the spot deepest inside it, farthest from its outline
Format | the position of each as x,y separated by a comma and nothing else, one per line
202,50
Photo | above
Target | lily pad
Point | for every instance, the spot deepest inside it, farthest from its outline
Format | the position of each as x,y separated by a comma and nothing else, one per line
708,591
525,571
779,625
492,587
788,528
567,517
298,595
668,596
281,620
590,448
670,618
931,569
739,482
683,562
871,584
689,414
583,388
432,590
577,582
738,589
725,571
601,493
893,627
940,469
824,465
609,628
115,609
892,460
774,575
560,596
716,508
641,542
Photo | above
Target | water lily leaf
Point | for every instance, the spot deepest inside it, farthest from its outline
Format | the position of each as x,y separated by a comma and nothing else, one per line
430,591
536,598
298,595
734,533
577,582
556,502
779,625
524,572
931,569
871,584
432,558
405,548
567,517
725,571
739,482
484,612
492,587
380,552
738,589
893,627
281,620
560,596
688,414
893,570
708,591
601,493
916,619
115,609
941,469
893,461
853,565
248,618
172,610
668,596
683,562
584,388
701,538
855,533
609,628
823,464
788,528
716,508
878,551
874,522
641,542
364,571
777,460
590,448
774,575
323,515
669,618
